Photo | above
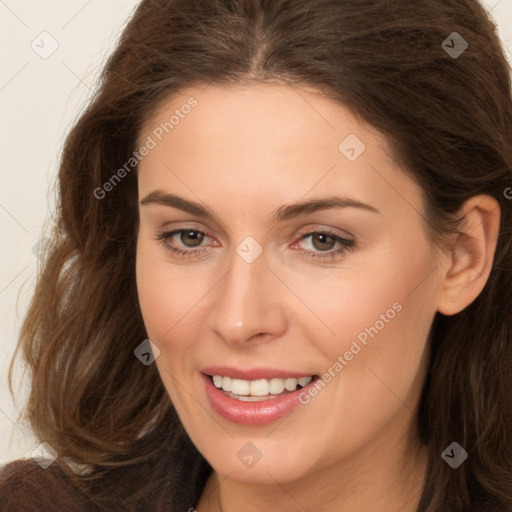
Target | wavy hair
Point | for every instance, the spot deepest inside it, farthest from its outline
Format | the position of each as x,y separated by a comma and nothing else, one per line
448,120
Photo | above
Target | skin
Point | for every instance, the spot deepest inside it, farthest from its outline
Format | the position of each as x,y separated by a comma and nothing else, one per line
243,152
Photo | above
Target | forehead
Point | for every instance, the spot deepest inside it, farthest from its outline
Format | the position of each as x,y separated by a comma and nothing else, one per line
269,139
258,111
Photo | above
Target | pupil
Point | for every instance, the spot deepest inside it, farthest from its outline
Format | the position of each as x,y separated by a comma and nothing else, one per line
322,237
194,236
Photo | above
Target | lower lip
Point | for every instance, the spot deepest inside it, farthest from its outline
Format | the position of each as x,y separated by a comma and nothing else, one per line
252,413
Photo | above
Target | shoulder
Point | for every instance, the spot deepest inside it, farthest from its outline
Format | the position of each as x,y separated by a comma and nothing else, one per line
172,481
25,487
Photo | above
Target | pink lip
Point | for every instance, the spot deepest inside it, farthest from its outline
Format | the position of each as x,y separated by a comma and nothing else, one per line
251,413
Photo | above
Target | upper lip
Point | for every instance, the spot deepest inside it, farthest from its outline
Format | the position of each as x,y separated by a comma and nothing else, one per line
253,373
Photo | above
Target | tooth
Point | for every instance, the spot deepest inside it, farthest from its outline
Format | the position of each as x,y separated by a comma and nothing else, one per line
240,387
290,384
304,381
276,386
226,383
259,387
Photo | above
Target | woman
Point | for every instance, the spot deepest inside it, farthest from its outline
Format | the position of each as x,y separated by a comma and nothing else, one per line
281,273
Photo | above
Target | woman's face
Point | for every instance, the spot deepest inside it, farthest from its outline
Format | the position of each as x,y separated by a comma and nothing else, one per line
303,253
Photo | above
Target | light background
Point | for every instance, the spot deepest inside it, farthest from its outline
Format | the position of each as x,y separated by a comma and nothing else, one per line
40,98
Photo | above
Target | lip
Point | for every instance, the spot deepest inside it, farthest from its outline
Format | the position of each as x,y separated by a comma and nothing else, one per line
252,413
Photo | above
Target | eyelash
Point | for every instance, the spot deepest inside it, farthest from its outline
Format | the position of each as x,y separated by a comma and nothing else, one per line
346,245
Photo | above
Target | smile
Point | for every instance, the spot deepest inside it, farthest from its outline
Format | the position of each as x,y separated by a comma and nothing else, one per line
254,397
260,389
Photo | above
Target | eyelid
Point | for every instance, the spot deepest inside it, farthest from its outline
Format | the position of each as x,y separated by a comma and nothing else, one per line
322,228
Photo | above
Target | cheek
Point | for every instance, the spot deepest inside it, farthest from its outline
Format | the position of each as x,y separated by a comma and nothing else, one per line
166,293
385,293
380,314
152,292
382,327
164,301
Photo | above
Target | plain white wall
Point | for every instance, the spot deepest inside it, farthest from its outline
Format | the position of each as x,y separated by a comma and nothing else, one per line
40,97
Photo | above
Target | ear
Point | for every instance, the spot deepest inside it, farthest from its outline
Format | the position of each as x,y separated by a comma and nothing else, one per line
471,255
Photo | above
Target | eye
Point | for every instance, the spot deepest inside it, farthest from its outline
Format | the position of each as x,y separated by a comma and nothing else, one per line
325,243
192,238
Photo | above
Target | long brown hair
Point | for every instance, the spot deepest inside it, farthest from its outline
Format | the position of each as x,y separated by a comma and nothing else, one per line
448,119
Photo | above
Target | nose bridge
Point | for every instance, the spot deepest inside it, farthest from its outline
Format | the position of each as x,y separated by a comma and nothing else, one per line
244,302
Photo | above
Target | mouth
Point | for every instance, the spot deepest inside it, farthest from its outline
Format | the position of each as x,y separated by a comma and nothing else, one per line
254,397
260,389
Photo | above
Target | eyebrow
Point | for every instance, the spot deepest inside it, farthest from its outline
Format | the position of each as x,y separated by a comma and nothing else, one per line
282,213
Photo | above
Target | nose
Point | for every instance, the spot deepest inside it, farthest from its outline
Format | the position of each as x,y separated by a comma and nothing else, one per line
248,304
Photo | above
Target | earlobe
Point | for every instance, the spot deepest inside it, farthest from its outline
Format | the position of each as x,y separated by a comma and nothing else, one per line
472,254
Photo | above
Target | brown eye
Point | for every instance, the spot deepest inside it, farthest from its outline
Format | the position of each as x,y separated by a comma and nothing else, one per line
183,243
323,241
323,245
196,237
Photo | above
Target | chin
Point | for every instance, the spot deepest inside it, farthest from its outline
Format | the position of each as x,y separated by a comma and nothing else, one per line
257,460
